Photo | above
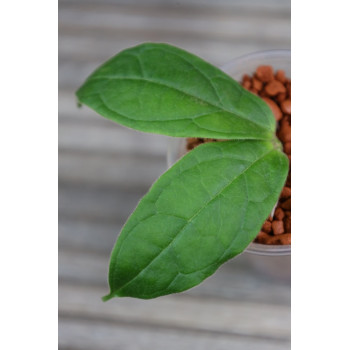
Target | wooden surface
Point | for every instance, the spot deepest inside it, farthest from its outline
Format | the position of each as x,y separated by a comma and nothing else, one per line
104,169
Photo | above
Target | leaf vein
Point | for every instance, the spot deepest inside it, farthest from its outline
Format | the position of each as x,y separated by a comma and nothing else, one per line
190,220
162,83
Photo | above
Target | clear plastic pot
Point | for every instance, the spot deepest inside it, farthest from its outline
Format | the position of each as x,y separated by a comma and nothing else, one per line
278,59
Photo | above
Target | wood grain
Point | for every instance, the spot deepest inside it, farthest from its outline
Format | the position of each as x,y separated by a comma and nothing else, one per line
82,334
105,169
180,312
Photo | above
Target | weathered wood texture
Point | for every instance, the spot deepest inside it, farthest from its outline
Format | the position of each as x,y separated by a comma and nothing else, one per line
104,169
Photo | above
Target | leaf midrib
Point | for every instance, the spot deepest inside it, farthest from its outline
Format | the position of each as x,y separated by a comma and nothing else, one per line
191,219
161,83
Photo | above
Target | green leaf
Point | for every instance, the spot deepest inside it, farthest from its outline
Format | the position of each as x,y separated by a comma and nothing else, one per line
203,211
161,89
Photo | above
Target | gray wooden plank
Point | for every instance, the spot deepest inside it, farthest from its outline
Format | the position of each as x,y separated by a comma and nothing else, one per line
184,21
111,204
97,138
90,235
80,47
124,170
269,6
91,218
73,72
180,312
89,36
87,269
77,334
68,111
245,278
233,26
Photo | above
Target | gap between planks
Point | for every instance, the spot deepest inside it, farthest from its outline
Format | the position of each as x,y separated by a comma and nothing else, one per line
133,172
238,279
267,8
182,312
90,335
81,48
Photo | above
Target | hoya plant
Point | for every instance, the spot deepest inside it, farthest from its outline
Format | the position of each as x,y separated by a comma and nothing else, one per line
211,203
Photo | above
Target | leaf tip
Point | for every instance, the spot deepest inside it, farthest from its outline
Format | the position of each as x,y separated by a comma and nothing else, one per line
107,297
77,98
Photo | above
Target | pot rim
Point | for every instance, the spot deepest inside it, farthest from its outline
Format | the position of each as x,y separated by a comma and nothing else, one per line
271,54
